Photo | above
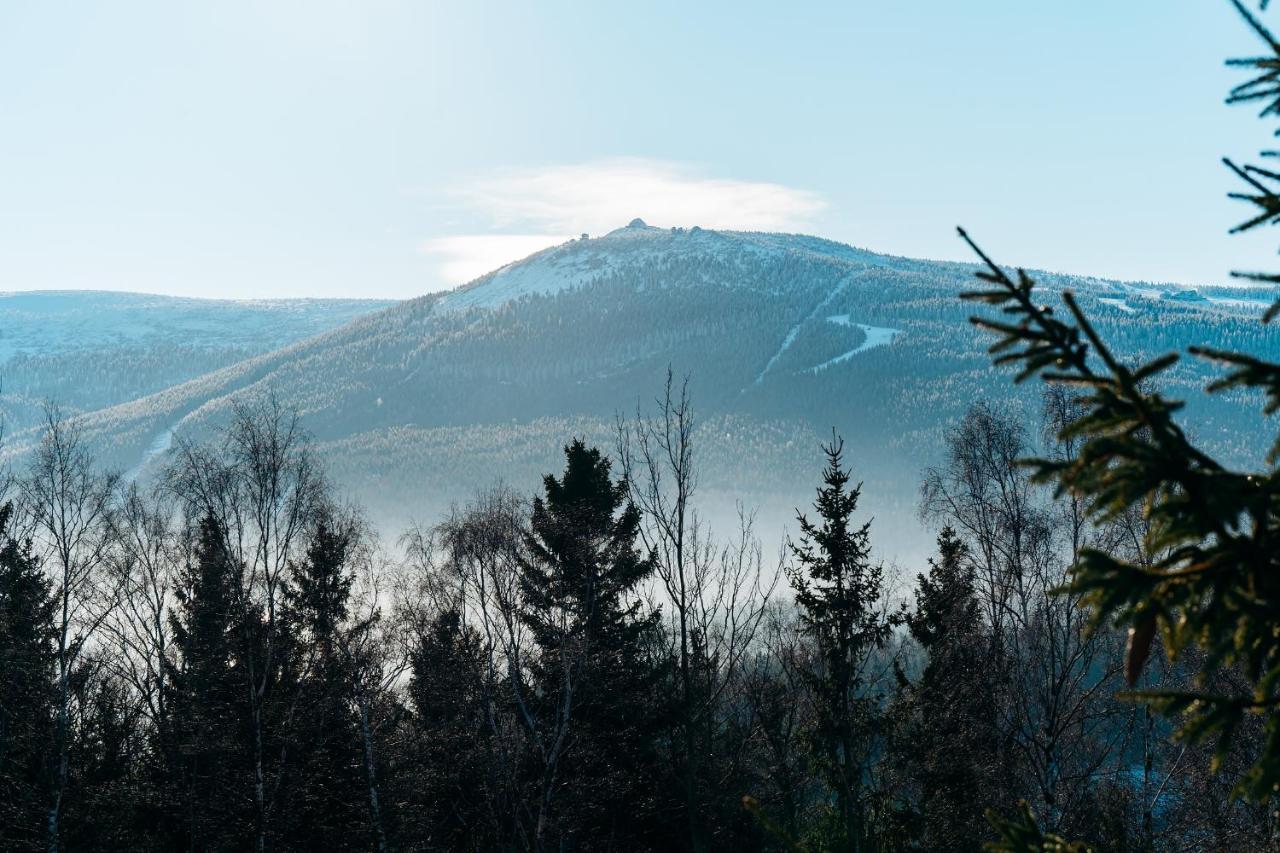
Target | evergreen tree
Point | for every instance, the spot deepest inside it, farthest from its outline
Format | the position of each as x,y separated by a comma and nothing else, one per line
839,592
446,691
109,801
205,740
595,671
319,598
1205,578
27,666
949,741
946,614
327,807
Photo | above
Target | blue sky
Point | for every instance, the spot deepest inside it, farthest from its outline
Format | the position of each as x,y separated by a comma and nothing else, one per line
384,148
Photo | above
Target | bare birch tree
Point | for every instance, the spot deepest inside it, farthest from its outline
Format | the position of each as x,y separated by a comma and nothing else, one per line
143,563
70,507
262,484
717,594
1055,680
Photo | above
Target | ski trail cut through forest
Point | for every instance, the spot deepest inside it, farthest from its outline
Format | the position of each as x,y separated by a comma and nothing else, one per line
159,446
795,330
876,336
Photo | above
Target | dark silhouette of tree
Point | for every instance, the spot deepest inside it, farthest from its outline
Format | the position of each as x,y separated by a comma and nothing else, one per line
592,707
324,773
1207,579
69,502
713,596
948,743
839,591
205,747
27,698
110,798
447,696
262,485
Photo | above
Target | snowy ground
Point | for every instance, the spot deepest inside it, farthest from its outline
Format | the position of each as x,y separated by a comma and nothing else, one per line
159,446
1117,302
40,323
876,336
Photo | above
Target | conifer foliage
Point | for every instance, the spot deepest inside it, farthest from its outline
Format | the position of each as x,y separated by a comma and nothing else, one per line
326,742
595,679
948,740
27,666
517,683
202,741
210,668
1212,530
839,591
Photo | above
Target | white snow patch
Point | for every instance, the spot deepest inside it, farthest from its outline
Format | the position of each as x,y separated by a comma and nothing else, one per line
158,447
546,273
876,336
1118,302
795,330
580,263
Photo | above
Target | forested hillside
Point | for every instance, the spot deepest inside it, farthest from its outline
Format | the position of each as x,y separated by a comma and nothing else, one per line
783,336
88,350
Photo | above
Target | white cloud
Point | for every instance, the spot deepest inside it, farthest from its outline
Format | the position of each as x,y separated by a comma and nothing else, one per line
596,197
607,194
464,257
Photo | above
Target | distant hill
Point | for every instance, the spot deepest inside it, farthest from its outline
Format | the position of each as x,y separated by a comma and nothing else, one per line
784,336
92,349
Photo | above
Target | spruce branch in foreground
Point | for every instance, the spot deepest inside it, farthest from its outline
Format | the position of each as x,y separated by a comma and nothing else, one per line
1264,86
1216,583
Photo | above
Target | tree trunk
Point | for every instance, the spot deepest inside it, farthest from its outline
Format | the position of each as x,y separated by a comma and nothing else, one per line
64,698
370,766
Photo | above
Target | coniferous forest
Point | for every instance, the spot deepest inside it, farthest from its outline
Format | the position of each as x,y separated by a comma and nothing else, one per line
233,660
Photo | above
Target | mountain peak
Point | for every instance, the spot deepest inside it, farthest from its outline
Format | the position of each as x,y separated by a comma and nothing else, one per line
638,228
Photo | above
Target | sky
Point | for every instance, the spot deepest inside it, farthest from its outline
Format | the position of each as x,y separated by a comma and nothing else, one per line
324,148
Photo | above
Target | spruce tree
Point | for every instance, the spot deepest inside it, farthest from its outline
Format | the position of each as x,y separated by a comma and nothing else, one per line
946,614
1211,586
839,592
452,744
595,673
950,739
326,805
27,666
319,598
205,737
109,803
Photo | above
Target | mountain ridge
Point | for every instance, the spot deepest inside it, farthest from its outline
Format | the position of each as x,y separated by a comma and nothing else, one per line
569,337
90,349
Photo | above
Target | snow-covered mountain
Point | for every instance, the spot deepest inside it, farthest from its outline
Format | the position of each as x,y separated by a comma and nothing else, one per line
784,337
41,323
91,349
579,263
